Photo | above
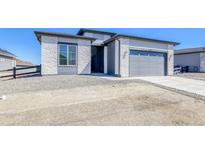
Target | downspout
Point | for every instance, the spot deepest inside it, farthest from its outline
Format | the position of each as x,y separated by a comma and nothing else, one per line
119,57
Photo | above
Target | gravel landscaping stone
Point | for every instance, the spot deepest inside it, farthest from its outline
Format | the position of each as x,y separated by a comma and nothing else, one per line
90,100
13,86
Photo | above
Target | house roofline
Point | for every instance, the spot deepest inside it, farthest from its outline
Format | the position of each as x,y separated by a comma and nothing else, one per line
141,38
114,36
82,30
39,33
7,54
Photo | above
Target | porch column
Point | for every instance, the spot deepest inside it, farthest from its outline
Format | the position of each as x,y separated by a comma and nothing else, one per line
105,59
170,60
117,57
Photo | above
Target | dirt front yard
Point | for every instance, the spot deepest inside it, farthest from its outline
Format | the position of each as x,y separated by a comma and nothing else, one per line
88,100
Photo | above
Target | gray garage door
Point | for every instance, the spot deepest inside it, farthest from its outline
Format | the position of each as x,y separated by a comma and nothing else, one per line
144,63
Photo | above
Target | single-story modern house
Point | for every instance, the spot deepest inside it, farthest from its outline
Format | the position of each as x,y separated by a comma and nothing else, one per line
91,51
192,57
7,60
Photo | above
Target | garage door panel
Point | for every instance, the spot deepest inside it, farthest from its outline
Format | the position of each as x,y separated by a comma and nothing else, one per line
147,64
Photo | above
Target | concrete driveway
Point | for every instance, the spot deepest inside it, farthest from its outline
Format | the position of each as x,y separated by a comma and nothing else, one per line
184,84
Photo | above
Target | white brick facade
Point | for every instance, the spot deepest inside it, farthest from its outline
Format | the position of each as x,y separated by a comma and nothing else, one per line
49,56
49,48
84,57
124,57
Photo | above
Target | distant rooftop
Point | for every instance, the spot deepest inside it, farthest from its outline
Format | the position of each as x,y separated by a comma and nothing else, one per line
20,62
7,53
190,50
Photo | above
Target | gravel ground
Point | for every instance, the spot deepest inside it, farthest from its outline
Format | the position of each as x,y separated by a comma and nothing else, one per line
11,86
89,100
197,76
5,73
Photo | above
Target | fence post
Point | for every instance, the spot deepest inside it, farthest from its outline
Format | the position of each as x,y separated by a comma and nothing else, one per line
14,72
40,68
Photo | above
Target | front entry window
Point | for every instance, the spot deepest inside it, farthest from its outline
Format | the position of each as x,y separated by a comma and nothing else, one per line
72,55
63,55
67,54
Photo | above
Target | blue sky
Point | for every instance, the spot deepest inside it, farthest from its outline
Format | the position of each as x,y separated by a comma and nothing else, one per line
23,43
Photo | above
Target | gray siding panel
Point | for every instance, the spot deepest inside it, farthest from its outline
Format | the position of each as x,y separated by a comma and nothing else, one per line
187,59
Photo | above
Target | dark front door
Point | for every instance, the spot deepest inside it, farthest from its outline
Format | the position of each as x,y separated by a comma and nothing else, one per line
97,59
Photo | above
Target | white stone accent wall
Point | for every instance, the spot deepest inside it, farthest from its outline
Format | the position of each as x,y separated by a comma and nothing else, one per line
49,50
124,57
84,56
105,59
170,60
202,62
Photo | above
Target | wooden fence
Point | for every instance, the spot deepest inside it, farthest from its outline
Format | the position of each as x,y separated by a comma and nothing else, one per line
23,71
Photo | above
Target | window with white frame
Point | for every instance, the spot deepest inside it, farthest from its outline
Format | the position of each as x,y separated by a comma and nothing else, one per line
67,54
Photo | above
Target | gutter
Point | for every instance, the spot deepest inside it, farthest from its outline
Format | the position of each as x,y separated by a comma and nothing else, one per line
140,38
65,35
119,52
185,53
8,56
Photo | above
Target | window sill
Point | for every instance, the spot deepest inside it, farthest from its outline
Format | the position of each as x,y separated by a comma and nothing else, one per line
67,65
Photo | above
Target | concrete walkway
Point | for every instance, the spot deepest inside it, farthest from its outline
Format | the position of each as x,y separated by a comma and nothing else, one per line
188,85
184,84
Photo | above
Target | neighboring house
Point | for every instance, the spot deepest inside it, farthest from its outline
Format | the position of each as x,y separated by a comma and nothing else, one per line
7,60
91,51
21,63
192,57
